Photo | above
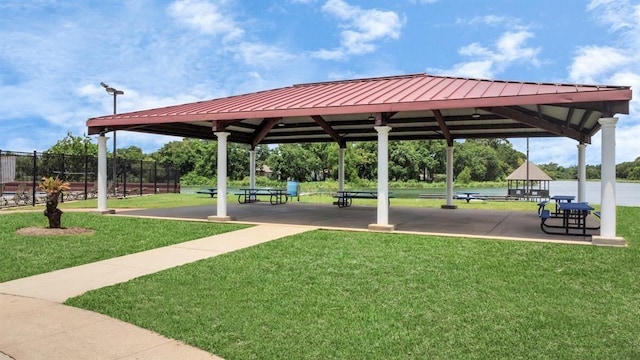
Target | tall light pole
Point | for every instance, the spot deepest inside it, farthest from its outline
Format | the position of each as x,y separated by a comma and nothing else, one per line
115,92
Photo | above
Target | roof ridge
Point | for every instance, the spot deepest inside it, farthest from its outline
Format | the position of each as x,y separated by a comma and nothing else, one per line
389,77
415,75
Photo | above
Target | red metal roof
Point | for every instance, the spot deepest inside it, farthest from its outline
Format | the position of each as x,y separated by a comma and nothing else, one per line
415,97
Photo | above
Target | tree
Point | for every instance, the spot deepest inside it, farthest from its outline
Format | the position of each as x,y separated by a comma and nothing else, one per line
237,161
293,161
366,160
131,153
178,155
74,145
403,161
53,188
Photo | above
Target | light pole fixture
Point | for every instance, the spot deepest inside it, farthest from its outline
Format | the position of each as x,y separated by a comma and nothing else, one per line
115,92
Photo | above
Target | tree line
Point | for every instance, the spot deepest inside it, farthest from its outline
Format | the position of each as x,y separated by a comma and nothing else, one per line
416,160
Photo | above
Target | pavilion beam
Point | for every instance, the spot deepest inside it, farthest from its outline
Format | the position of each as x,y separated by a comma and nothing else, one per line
221,125
329,130
443,127
266,126
587,114
567,121
539,123
381,118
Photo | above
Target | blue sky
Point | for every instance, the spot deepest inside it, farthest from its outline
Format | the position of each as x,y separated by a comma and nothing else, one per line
54,54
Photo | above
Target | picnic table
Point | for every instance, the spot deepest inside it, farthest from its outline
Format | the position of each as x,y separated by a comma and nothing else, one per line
208,191
560,199
574,217
467,195
345,198
249,195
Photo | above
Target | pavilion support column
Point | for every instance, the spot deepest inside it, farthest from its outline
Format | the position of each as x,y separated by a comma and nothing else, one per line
341,152
221,214
252,169
608,186
383,181
449,204
102,176
582,173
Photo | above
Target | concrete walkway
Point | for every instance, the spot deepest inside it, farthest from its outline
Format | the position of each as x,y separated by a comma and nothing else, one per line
35,325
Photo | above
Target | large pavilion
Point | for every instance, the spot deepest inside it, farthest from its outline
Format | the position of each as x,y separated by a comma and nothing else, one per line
405,107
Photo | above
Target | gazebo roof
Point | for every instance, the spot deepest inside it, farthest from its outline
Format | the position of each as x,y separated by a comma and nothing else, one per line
535,173
417,106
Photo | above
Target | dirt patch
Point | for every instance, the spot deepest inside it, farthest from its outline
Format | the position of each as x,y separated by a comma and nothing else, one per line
34,230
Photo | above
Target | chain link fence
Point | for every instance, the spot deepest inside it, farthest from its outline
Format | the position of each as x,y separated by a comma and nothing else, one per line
21,172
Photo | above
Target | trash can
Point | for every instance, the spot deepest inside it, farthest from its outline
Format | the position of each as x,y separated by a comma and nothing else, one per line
292,189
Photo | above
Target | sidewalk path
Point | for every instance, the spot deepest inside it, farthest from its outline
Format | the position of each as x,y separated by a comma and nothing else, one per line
36,326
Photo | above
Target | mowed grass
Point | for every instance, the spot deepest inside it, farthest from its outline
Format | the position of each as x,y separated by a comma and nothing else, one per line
114,236
354,295
157,201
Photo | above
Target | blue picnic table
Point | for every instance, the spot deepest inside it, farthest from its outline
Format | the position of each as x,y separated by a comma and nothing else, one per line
345,198
574,217
250,195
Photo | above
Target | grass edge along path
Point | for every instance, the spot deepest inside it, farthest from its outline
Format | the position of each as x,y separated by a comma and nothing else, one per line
330,294
114,236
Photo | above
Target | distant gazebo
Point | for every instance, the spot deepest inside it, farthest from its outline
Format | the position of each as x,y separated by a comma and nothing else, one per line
528,182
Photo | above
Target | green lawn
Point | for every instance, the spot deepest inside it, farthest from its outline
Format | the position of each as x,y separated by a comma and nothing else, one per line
147,202
355,295
114,236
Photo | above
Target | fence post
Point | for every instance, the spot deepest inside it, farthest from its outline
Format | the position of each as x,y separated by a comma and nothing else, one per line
141,174
62,177
155,177
175,182
86,167
35,174
124,177
166,173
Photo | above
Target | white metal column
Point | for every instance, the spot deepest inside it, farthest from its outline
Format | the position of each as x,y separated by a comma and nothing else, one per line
341,152
608,185
102,173
582,173
449,165
252,169
383,180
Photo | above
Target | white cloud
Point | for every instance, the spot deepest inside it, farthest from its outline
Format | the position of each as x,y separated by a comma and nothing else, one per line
494,21
207,17
262,55
362,29
591,62
615,65
615,13
509,49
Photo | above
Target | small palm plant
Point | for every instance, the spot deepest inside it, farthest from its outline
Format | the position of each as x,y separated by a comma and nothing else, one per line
53,188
